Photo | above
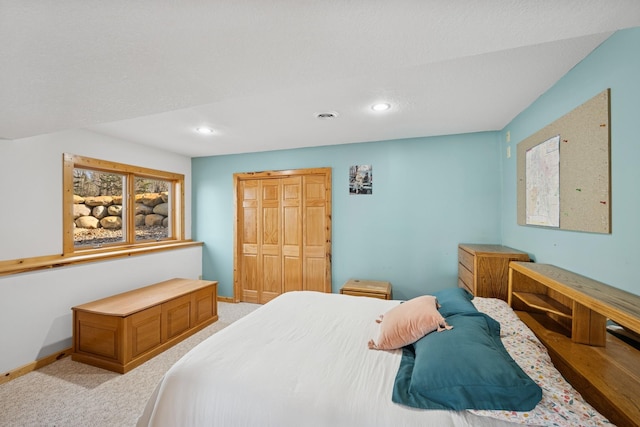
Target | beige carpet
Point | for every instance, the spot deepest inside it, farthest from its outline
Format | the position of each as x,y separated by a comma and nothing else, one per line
68,393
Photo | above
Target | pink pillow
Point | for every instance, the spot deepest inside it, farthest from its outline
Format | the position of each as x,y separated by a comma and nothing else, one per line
408,322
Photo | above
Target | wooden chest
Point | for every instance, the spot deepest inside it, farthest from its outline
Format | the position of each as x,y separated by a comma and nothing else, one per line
123,331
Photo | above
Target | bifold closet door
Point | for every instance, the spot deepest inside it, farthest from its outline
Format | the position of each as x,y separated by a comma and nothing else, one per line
316,222
292,223
283,233
270,241
247,231
261,254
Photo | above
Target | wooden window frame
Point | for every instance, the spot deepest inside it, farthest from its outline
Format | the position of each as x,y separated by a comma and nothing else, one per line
71,161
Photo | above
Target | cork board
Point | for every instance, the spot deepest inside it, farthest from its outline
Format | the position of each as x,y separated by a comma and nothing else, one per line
583,180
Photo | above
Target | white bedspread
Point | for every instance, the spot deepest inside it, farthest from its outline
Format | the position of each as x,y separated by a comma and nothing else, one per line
303,360
300,360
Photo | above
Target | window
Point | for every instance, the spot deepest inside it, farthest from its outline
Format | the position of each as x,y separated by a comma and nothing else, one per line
110,205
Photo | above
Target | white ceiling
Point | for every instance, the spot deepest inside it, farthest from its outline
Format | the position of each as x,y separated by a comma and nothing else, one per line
257,71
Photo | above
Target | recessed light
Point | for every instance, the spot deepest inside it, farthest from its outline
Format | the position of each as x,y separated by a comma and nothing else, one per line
204,130
382,106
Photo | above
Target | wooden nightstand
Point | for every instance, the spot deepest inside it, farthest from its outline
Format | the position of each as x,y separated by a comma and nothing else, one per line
367,288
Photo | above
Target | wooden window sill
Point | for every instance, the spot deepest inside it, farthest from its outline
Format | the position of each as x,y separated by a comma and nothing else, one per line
51,261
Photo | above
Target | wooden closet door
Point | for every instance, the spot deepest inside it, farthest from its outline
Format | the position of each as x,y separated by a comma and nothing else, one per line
283,233
261,240
247,239
292,233
270,242
315,224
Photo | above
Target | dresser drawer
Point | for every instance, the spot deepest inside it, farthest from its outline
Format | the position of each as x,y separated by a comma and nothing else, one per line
367,288
463,285
466,278
365,294
466,259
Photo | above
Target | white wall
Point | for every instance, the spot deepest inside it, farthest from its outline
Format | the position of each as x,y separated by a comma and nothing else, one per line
31,180
35,308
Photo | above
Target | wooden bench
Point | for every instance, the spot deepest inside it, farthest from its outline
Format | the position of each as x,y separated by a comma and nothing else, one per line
123,331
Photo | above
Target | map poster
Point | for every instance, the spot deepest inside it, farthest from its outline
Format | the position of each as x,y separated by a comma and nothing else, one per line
543,183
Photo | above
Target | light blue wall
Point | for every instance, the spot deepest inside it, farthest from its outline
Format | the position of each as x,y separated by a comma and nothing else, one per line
429,194
432,193
613,258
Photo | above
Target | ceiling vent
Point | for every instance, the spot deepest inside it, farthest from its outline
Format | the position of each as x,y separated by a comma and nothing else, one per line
327,115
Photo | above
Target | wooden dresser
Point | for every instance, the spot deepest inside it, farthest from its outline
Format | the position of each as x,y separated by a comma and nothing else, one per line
123,331
484,269
568,313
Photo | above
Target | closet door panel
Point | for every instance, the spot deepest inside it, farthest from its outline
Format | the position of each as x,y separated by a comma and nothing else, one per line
270,281
315,226
248,236
292,233
249,278
292,274
271,278
314,275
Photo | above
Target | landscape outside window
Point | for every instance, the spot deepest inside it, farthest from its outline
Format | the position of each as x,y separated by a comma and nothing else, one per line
152,216
100,208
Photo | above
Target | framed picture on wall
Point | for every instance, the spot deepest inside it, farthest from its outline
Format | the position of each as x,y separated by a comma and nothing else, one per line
360,179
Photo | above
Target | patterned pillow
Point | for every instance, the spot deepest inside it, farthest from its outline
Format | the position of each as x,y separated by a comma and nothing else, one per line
408,322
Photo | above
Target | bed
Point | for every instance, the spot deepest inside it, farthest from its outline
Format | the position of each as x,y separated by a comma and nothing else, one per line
303,360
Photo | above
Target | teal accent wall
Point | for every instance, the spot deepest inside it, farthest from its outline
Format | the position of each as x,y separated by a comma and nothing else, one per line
429,194
610,258
432,193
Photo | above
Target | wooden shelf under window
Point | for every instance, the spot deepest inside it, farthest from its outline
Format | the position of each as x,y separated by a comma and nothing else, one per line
23,265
